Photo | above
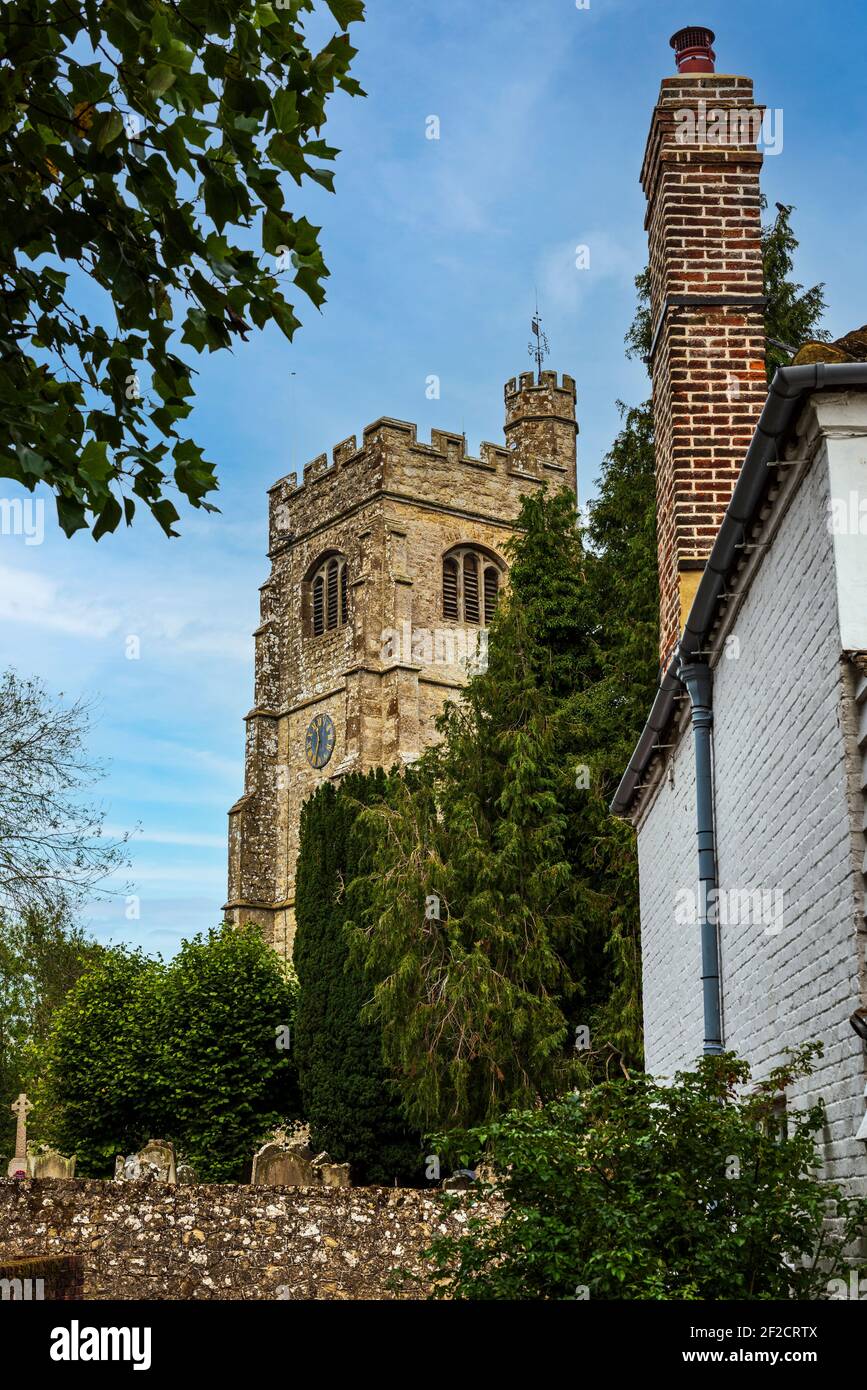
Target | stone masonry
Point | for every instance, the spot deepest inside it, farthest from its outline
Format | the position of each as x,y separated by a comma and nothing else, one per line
156,1241
391,509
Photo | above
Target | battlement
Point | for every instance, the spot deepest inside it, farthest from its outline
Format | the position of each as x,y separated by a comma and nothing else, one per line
547,381
539,431
444,445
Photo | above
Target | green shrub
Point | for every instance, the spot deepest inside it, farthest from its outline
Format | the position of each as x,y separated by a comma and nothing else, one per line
104,1086
640,1190
226,1081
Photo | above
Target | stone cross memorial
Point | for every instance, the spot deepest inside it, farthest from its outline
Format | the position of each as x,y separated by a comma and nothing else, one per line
20,1108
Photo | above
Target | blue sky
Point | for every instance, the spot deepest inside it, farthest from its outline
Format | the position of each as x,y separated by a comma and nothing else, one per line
436,250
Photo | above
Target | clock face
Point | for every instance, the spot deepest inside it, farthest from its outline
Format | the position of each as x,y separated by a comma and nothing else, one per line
319,744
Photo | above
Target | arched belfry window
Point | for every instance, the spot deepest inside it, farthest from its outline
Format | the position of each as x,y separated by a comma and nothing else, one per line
471,585
329,608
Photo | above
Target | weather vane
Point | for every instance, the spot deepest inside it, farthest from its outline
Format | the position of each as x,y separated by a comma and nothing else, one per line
538,344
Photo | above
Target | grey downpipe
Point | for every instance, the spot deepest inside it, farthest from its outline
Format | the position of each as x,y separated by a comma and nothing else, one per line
697,678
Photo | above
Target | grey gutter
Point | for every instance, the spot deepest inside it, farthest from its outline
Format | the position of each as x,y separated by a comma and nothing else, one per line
785,398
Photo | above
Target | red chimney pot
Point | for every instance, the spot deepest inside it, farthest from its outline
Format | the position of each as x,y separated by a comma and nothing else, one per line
692,49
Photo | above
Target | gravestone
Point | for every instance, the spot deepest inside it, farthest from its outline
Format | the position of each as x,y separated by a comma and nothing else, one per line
158,1160
45,1162
281,1166
292,1164
334,1175
154,1163
18,1163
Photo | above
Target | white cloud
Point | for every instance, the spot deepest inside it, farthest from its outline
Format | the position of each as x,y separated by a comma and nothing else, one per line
46,603
605,259
41,602
195,839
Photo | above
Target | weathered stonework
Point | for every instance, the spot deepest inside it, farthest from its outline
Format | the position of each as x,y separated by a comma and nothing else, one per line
215,1241
49,1278
392,508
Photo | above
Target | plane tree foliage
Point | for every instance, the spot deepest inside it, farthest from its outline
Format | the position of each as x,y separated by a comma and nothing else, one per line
146,149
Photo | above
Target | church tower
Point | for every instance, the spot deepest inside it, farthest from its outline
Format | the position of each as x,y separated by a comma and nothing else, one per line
386,566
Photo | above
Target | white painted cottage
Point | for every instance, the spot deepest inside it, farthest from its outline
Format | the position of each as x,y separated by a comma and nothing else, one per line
747,787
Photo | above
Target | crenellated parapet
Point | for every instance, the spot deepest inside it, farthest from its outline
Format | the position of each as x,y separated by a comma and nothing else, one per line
542,384
540,430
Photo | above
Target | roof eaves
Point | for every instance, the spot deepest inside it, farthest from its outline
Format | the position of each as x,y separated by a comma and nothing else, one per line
785,396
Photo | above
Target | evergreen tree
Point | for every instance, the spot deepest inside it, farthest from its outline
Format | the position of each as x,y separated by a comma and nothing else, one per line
538,886
792,314
621,569
500,824
349,1100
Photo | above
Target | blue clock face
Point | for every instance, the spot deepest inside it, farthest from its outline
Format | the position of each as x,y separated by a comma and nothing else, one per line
320,740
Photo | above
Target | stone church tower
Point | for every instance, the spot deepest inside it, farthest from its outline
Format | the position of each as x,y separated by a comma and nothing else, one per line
386,565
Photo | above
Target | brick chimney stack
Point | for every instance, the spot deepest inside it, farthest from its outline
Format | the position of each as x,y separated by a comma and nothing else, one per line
701,180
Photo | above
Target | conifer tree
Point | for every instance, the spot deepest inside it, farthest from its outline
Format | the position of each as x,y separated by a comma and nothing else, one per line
349,1100
486,922
621,568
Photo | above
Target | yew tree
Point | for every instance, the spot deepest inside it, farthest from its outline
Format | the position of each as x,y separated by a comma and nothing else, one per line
146,148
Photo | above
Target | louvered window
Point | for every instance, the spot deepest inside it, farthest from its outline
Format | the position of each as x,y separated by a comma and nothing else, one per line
471,586
471,589
318,605
492,591
450,590
329,596
333,592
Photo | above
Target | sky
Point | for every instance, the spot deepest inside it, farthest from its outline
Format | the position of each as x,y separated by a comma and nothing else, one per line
437,250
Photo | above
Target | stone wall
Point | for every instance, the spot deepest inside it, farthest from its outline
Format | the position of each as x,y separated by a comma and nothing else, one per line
154,1241
49,1278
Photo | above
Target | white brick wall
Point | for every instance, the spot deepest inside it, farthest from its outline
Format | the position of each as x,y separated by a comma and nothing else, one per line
783,822
671,954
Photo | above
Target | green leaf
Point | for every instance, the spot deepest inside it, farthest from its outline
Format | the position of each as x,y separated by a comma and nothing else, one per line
95,466
166,514
108,518
284,104
346,12
107,127
160,79
214,146
70,514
